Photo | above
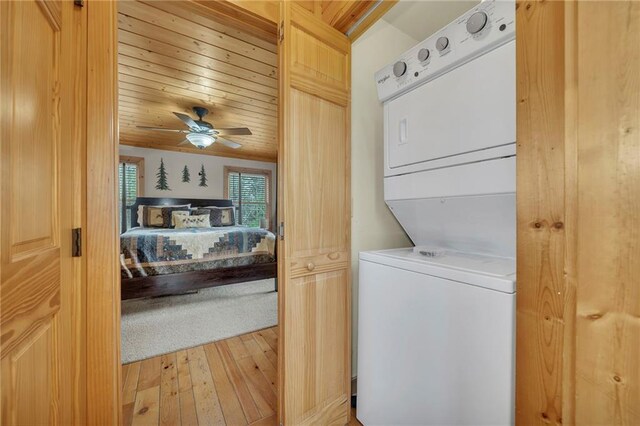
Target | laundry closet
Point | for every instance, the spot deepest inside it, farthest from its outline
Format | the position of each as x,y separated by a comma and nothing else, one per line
437,320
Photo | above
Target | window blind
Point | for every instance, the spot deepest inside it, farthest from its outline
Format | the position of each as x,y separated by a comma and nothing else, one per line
128,192
250,194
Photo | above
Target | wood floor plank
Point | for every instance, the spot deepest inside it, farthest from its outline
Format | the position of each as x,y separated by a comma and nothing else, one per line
207,403
127,414
272,357
259,357
146,408
271,338
169,403
237,348
131,385
246,337
231,407
268,421
149,373
261,391
124,370
184,375
262,342
266,348
188,414
232,382
237,379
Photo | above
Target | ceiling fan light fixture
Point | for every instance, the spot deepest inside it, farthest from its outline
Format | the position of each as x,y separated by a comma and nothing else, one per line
200,140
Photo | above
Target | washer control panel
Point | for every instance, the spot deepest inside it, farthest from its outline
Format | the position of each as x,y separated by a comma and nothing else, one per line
485,27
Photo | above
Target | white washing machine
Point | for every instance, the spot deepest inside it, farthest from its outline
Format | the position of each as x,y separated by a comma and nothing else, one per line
435,339
436,322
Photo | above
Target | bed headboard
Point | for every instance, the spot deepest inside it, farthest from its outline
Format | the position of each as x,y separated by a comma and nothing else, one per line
151,201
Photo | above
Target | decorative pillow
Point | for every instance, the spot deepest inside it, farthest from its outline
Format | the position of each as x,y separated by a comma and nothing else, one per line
152,217
176,213
219,216
227,215
160,216
167,215
198,221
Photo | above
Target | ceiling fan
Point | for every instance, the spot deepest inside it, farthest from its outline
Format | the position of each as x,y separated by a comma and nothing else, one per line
202,134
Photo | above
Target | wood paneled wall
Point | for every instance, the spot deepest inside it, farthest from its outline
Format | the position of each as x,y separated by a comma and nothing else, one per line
340,14
176,55
578,310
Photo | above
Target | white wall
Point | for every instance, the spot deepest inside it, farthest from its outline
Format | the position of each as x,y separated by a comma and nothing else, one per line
372,226
174,162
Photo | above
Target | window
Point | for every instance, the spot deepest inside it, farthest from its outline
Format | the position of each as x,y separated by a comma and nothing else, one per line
250,191
131,185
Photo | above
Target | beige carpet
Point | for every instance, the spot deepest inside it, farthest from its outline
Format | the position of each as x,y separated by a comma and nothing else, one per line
161,325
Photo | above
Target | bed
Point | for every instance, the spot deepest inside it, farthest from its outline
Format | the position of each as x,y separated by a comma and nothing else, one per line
159,261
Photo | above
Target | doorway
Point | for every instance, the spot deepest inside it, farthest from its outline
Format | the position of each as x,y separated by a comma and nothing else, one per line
316,313
197,205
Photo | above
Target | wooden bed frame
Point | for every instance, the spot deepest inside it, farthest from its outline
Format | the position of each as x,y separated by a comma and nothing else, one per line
182,282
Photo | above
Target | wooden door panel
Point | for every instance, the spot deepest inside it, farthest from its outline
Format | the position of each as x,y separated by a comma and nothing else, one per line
35,125
318,61
24,312
27,371
318,305
319,183
30,236
315,288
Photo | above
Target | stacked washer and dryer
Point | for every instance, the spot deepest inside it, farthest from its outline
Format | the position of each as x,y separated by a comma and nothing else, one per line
436,321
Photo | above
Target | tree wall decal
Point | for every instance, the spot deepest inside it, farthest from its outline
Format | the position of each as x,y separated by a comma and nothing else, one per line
186,176
162,176
203,177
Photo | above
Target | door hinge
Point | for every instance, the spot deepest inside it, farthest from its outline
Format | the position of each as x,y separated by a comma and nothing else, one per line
281,230
79,3
76,242
281,32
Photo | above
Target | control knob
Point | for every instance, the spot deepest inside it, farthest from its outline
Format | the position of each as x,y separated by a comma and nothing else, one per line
423,55
476,22
442,43
399,68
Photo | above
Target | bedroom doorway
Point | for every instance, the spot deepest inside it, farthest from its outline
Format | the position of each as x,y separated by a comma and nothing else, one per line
197,179
313,258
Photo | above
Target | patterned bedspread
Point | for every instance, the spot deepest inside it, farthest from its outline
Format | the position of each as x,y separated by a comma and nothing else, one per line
162,251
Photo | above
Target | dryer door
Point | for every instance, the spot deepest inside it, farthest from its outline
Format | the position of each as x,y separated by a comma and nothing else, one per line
467,110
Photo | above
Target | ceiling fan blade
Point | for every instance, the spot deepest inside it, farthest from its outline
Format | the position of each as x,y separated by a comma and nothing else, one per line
230,144
161,129
234,131
187,120
184,142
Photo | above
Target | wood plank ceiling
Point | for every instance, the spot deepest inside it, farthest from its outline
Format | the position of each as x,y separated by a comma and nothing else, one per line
174,55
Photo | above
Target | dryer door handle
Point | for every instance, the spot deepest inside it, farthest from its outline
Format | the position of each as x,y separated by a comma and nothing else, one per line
404,131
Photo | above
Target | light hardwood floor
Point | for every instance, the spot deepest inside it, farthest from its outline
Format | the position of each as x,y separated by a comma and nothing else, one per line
230,382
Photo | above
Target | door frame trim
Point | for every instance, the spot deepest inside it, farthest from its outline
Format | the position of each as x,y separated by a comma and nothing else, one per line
103,283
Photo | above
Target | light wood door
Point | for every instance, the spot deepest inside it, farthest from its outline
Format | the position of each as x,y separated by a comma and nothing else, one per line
42,90
314,263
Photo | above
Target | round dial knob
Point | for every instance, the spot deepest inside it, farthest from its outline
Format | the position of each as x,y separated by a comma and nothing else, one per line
399,68
476,22
442,43
423,55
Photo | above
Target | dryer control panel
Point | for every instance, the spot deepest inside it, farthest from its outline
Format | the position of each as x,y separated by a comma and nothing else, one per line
485,27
